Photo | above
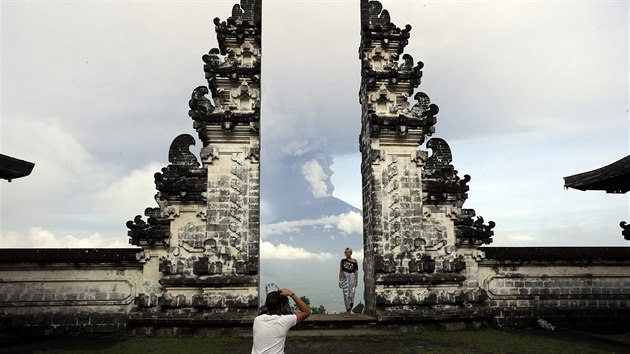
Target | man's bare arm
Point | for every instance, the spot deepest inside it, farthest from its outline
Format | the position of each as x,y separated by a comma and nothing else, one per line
305,311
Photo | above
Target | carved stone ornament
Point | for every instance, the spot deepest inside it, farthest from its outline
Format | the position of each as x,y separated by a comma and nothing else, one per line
183,179
245,97
380,67
376,26
440,181
154,232
200,106
378,15
245,22
470,232
239,63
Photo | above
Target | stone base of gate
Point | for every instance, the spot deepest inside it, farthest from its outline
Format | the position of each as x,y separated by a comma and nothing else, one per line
437,313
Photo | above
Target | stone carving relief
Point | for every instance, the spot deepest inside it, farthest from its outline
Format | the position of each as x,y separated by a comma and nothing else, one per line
472,232
390,111
626,230
245,97
248,55
384,102
174,264
434,235
209,153
381,60
192,237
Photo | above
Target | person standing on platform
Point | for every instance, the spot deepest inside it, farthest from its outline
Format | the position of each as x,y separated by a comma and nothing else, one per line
348,279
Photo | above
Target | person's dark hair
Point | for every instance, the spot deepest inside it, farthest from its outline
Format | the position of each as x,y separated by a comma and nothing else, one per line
274,302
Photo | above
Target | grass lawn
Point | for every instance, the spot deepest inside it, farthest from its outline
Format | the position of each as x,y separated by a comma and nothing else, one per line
477,341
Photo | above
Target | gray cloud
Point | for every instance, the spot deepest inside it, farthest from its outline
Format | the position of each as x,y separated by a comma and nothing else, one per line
94,93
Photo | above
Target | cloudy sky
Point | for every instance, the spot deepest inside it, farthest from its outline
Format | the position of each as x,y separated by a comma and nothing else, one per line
529,92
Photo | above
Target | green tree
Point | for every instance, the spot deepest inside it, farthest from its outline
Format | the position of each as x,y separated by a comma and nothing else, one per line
319,310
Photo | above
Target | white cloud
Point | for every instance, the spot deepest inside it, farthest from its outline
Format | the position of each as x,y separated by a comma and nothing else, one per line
348,223
38,237
521,238
128,195
316,177
358,254
286,252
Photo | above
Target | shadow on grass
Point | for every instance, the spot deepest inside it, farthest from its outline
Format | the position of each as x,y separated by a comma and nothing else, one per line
478,341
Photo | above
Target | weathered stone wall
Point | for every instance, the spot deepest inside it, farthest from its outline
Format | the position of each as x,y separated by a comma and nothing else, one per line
567,286
69,290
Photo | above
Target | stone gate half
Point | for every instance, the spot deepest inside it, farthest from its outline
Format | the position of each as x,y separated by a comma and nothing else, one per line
201,243
419,243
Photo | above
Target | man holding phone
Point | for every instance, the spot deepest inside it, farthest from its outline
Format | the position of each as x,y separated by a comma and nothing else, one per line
271,328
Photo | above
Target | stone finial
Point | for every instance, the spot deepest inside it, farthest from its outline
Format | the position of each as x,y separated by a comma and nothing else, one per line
441,157
246,11
179,152
378,15
245,22
378,30
233,74
423,107
376,18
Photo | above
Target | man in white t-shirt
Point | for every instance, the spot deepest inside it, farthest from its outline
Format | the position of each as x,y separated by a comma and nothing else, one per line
271,328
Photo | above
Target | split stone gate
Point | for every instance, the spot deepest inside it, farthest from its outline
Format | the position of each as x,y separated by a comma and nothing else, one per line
198,258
